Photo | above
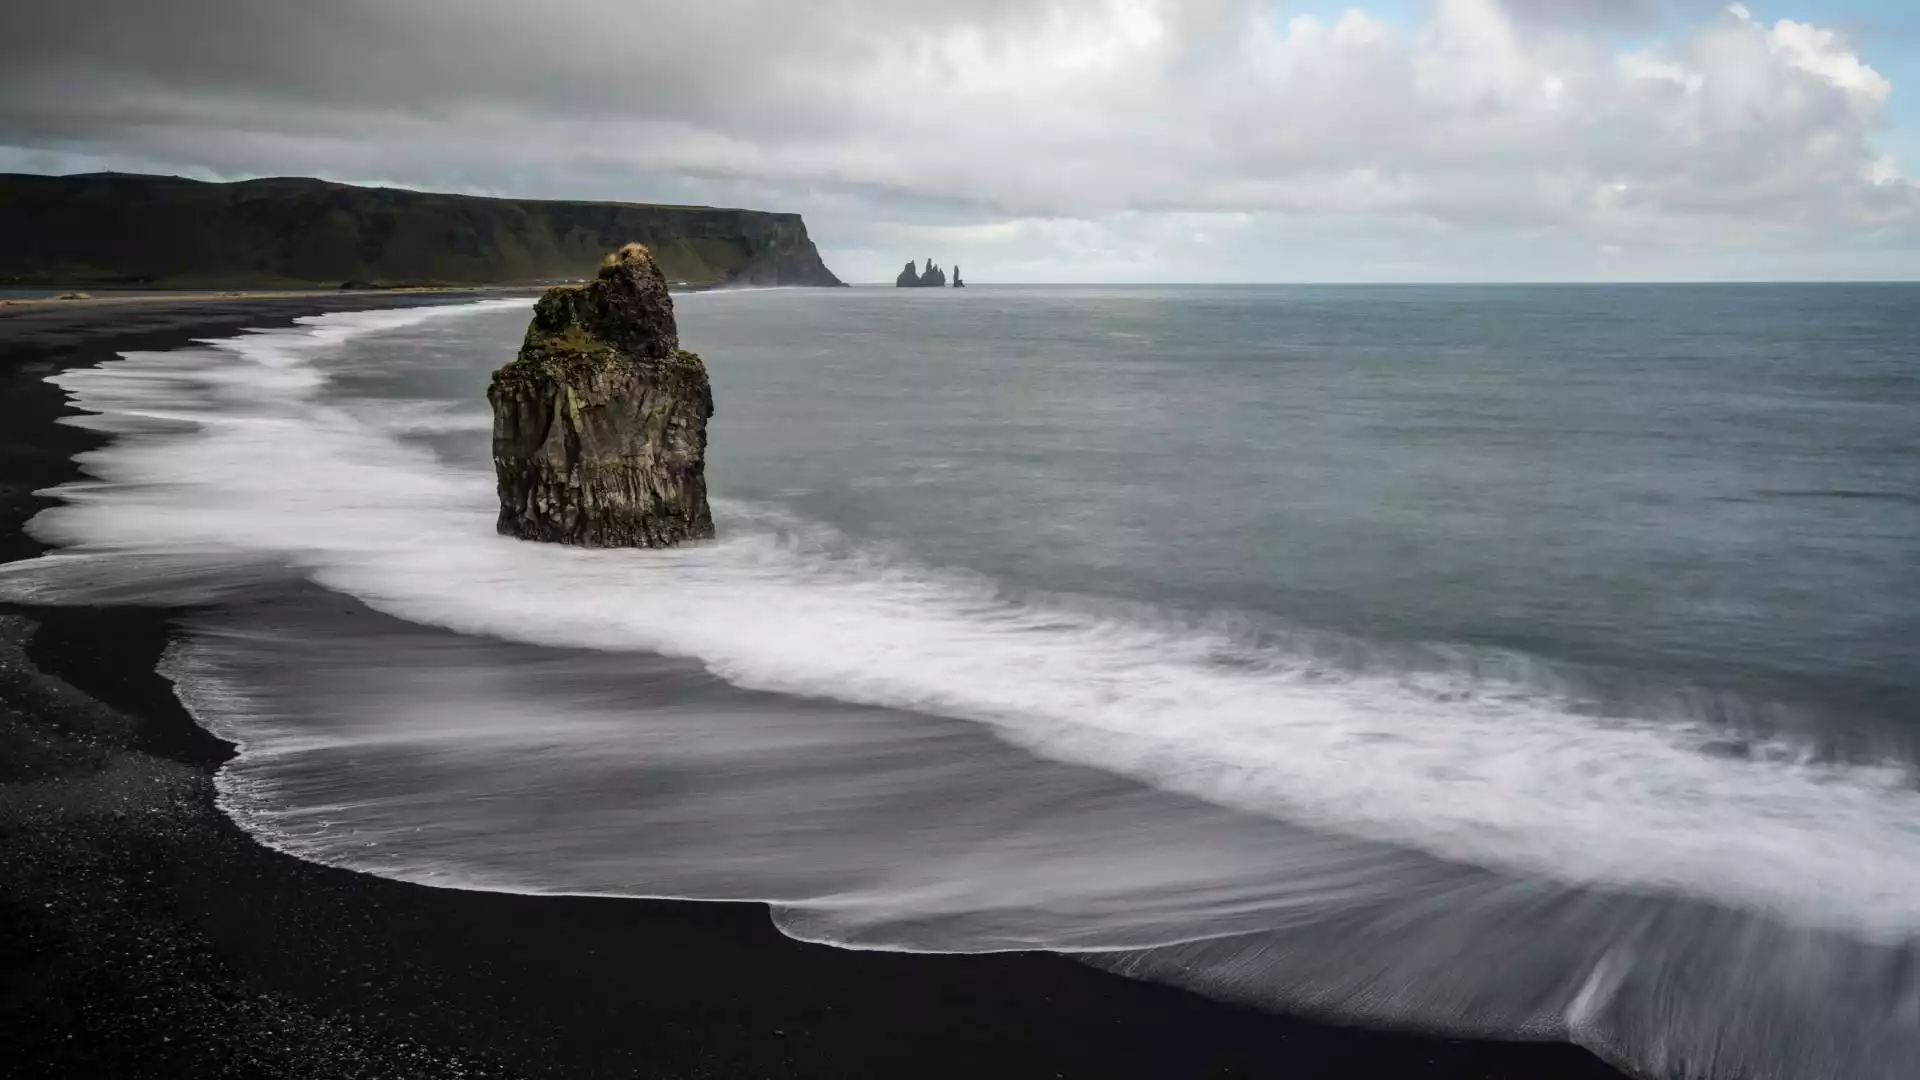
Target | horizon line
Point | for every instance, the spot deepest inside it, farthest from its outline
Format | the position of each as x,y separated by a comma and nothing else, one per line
1419,284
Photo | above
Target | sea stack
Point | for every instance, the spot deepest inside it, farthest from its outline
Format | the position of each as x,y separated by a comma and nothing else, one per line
931,278
600,424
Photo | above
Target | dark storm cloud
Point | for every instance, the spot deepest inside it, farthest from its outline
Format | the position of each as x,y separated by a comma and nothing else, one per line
689,61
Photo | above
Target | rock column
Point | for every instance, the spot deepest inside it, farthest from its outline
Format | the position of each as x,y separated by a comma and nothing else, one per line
600,424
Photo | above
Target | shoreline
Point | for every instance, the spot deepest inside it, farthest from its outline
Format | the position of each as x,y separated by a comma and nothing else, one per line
81,296
145,934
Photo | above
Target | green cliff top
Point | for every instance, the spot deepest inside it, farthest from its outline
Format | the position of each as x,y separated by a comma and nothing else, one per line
123,231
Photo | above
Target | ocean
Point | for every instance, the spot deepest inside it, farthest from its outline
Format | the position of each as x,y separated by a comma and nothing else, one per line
1527,662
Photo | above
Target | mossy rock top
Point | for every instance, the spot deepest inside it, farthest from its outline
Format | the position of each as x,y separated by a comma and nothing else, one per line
623,316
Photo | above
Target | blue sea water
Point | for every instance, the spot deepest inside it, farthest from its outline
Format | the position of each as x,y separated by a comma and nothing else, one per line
1523,661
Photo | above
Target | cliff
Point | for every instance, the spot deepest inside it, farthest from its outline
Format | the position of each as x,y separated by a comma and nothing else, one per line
110,229
600,423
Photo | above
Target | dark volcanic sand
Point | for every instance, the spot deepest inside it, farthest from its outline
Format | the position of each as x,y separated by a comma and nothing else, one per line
143,934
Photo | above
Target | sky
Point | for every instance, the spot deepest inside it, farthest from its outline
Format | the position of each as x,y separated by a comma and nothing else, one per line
1056,140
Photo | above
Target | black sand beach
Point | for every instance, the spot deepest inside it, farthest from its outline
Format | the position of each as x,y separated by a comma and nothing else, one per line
142,934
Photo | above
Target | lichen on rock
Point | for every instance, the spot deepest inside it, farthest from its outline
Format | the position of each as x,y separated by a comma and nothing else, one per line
600,423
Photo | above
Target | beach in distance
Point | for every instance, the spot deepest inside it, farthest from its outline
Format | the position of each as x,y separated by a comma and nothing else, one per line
1084,681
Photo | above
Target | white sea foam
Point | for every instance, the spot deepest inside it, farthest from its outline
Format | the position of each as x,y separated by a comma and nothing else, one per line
429,417
1499,773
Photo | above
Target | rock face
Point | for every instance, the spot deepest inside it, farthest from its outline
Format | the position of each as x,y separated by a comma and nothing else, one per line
931,278
600,424
167,232
957,283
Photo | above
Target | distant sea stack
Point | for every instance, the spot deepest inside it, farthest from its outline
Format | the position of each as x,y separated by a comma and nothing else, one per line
957,283
115,229
931,278
600,424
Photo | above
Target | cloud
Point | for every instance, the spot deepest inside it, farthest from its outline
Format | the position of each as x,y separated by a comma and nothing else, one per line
1610,14
1050,122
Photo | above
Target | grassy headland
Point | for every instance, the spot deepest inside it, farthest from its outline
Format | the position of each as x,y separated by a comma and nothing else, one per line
115,230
